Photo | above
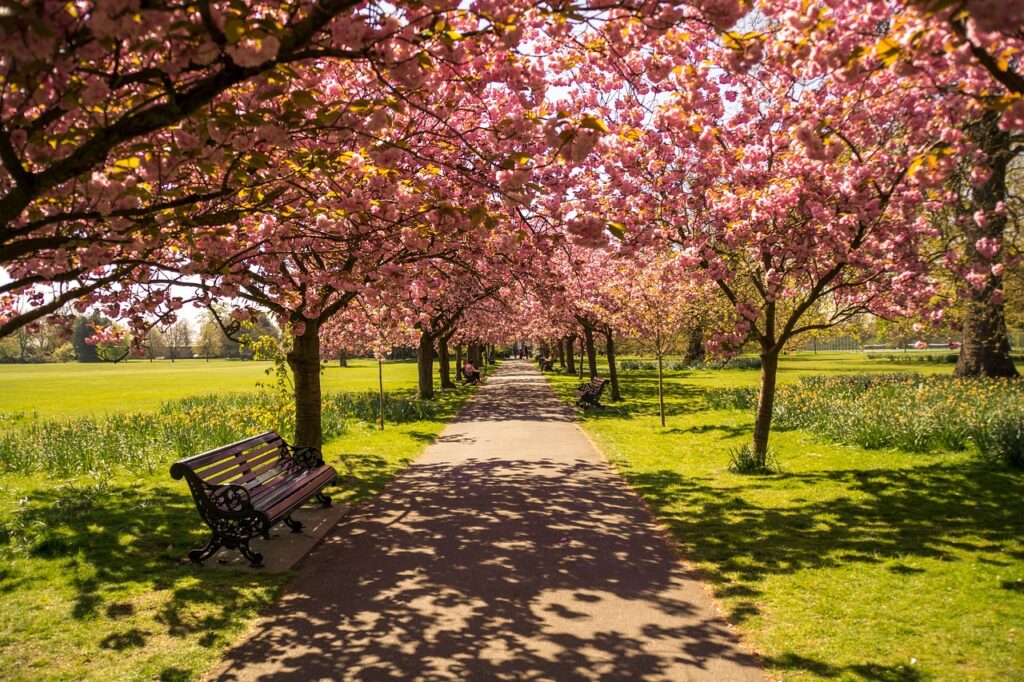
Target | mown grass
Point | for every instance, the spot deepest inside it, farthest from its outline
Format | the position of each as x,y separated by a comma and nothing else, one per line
79,389
849,564
91,574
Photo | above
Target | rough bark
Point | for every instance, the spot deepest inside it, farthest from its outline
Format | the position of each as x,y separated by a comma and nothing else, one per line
570,354
444,365
613,372
342,358
458,362
986,346
425,366
588,343
304,361
695,344
766,398
561,352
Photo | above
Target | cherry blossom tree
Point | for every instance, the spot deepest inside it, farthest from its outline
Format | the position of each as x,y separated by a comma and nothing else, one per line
654,303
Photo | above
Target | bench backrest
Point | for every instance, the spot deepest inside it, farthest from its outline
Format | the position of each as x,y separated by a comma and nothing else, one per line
251,463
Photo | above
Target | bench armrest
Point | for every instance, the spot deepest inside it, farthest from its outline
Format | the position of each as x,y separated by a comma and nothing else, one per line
306,456
229,498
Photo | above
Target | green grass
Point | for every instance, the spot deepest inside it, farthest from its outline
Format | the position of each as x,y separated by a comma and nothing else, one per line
91,577
79,389
851,564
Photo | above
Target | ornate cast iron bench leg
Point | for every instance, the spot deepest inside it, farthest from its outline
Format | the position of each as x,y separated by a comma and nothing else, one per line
324,500
255,558
201,554
296,526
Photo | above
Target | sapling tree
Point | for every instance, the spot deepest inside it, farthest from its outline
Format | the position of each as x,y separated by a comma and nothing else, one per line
655,304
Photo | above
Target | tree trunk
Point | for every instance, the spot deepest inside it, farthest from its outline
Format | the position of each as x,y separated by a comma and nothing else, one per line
380,392
661,394
304,361
986,345
695,344
570,354
444,364
458,362
766,399
561,353
342,358
425,366
613,373
588,343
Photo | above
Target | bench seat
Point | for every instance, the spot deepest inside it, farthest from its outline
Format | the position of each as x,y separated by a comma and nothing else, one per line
589,394
242,490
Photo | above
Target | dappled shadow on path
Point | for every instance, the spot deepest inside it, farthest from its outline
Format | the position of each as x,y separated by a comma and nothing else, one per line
517,392
494,569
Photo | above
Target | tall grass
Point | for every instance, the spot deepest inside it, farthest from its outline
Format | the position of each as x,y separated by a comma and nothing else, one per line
143,441
906,411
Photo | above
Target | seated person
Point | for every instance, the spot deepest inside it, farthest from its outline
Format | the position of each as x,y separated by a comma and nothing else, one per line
471,373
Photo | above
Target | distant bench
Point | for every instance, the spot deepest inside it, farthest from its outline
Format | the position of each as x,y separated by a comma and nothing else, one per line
589,395
243,489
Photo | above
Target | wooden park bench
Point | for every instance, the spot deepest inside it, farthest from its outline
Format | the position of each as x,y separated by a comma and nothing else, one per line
241,490
589,395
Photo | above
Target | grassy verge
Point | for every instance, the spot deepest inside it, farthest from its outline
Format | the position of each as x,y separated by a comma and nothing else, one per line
851,563
90,567
77,389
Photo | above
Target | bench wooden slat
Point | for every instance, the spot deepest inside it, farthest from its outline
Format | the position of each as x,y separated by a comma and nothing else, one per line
240,464
297,496
217,454
211,471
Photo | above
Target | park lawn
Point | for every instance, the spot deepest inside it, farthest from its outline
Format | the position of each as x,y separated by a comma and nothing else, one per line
91,573
76,389
851,563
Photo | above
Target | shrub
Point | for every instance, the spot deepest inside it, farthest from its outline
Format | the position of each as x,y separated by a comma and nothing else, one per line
745,460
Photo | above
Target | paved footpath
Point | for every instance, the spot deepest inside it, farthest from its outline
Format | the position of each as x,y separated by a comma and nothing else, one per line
508,551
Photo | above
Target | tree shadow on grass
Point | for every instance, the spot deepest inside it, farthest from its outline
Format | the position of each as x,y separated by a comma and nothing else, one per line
928,512
867,671
105,545
727,430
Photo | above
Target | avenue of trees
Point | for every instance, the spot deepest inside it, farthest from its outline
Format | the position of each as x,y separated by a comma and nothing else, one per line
450,176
